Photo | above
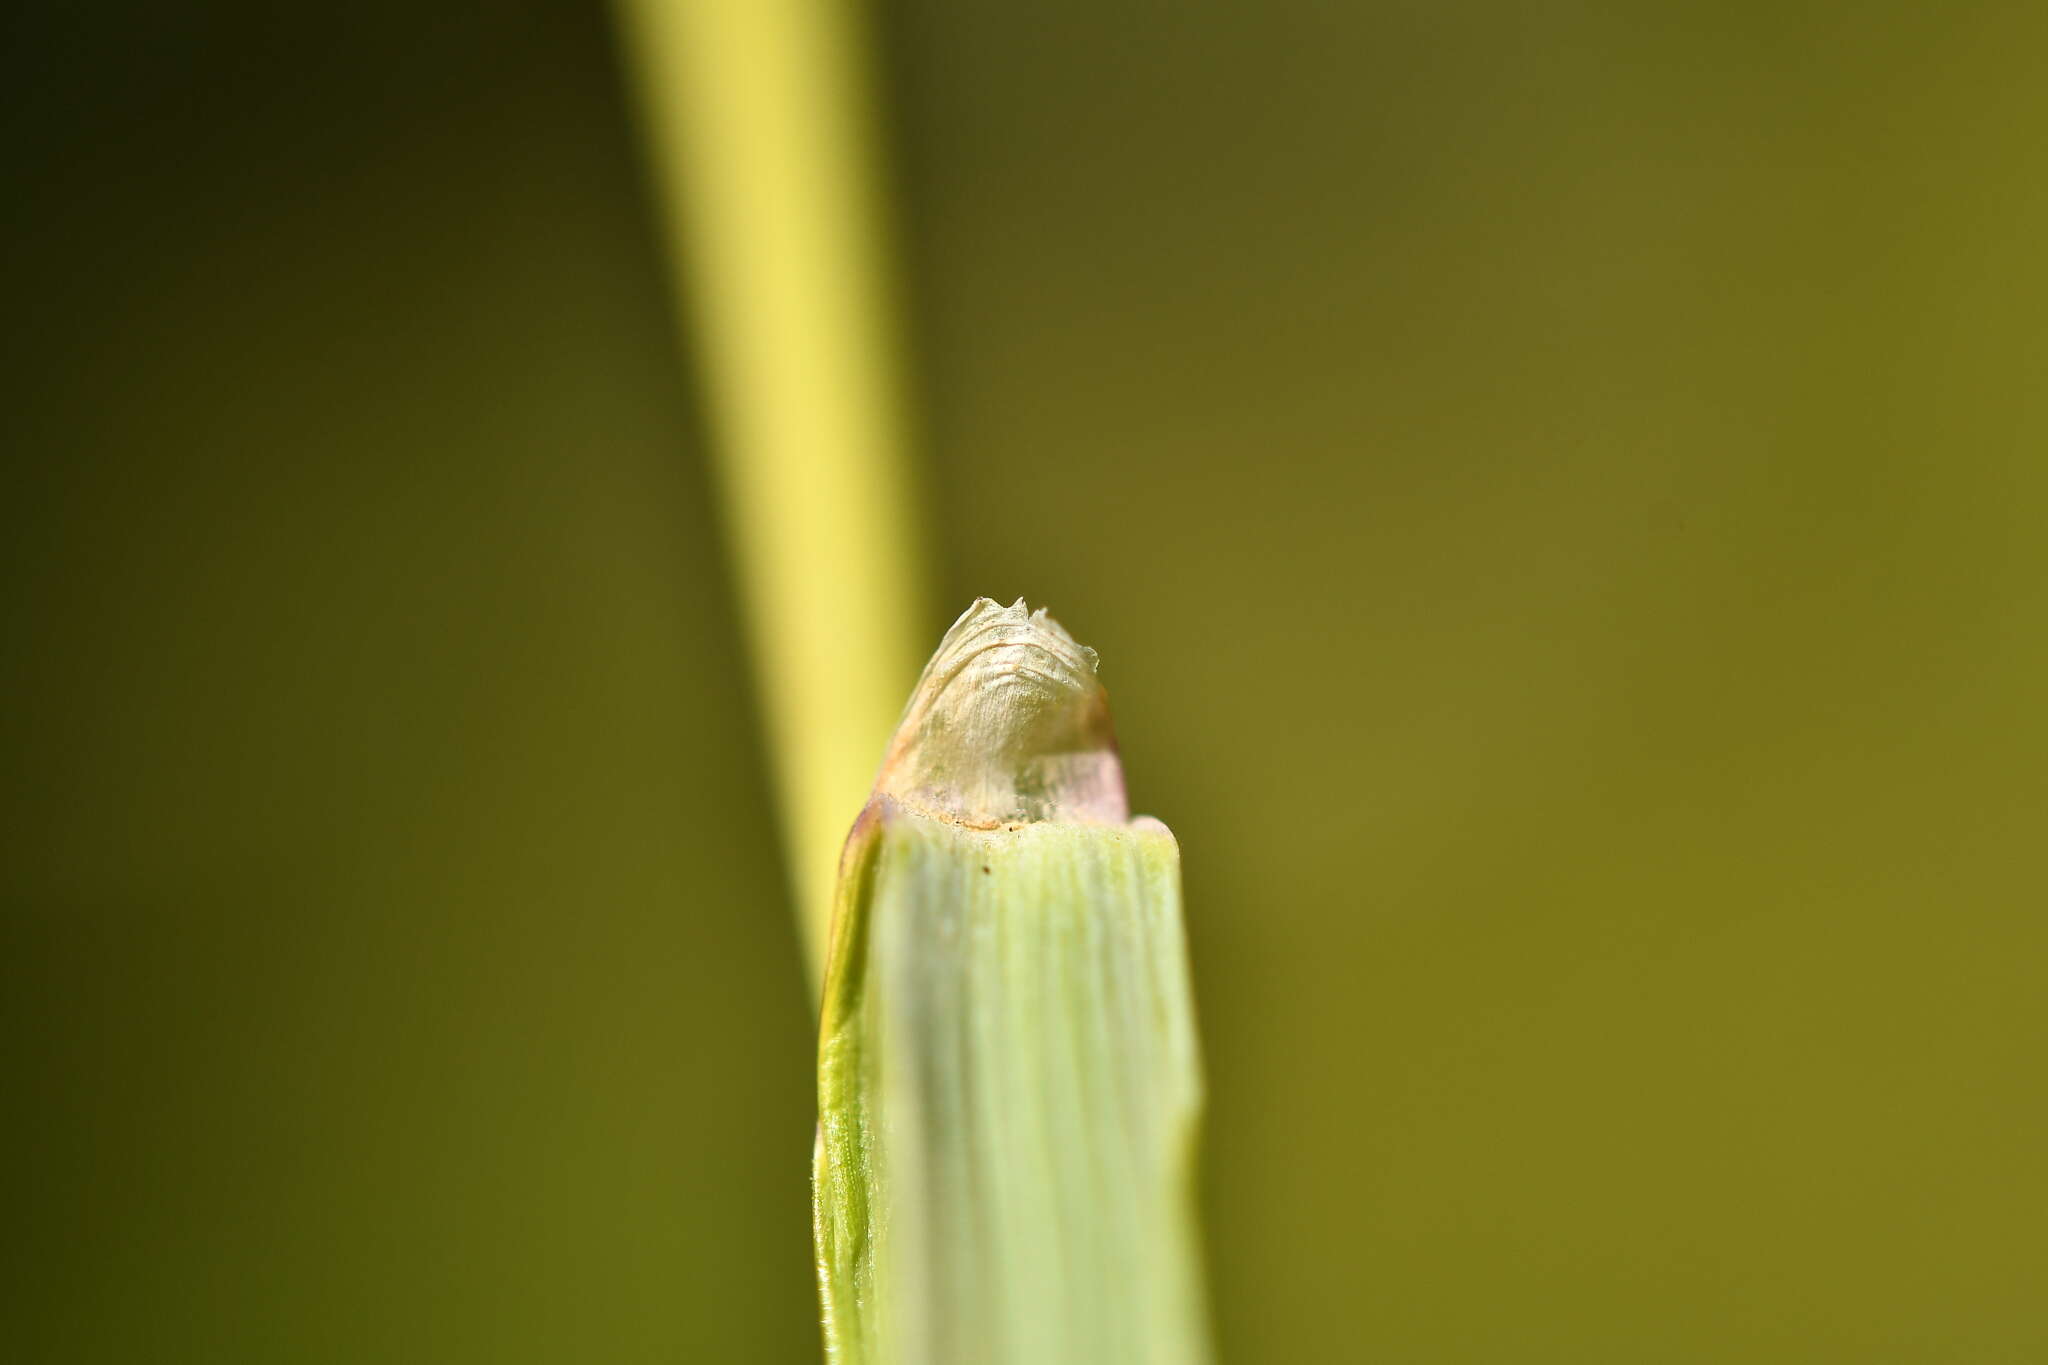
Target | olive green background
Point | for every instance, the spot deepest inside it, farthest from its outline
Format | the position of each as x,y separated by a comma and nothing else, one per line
1559,491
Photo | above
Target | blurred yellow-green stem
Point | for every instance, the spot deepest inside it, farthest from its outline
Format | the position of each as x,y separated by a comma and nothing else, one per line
759,120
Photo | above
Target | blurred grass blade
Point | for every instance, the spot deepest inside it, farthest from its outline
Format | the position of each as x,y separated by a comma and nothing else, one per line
1009,1086
758,122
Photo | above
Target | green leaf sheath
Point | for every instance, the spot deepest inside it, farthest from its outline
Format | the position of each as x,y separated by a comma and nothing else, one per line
1009,1094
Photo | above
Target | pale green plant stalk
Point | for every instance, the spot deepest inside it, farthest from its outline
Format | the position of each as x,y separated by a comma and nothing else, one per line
1008,1081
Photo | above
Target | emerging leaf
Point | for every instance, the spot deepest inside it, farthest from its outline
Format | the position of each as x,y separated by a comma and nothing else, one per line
1009,1087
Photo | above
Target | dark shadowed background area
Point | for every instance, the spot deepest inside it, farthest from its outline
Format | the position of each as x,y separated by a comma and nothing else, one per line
1559,491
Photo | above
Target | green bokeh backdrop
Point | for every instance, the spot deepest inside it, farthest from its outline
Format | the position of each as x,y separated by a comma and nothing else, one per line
1559,491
